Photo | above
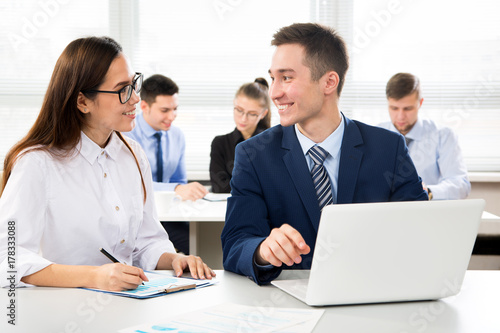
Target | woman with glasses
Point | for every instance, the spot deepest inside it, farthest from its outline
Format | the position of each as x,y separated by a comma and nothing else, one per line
74,184
252,116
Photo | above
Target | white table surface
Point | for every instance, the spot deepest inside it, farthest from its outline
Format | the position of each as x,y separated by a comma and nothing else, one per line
196,211
475,309
490,224
198,214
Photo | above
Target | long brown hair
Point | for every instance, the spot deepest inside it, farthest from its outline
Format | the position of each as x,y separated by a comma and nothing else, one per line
83,65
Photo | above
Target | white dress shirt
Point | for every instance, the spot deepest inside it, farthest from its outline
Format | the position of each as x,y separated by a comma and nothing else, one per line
65,209
437,158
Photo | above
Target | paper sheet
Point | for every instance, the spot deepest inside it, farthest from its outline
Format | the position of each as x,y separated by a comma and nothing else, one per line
217,196
229,317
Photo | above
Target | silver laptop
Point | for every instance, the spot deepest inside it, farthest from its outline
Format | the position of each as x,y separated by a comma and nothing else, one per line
388,252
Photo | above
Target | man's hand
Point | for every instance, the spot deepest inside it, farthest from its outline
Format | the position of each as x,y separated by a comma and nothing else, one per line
284,245
429,192
192,191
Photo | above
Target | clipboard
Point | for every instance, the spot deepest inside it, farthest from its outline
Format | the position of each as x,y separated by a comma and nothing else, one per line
175,288
159,285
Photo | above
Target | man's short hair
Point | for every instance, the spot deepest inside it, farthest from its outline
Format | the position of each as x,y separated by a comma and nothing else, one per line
402,85
324,49
157,85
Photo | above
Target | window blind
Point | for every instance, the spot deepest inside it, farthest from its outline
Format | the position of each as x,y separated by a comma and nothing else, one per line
33,33
452,46
211,47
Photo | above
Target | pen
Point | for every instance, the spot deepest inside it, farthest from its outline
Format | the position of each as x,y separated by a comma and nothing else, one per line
110,256
107,254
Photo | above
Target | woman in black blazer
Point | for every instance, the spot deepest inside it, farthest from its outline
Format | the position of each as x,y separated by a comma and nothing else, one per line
252,116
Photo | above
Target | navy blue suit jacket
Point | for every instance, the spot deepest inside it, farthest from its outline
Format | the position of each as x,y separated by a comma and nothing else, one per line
272,185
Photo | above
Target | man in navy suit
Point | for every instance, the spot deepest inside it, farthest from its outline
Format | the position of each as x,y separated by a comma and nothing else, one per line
273,213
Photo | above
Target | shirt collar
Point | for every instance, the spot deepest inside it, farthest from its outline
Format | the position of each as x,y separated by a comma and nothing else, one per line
237,136
145,127
417,131
331,144
91,150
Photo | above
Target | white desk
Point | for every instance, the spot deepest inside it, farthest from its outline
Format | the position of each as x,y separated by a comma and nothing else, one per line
204,238
197,211
42,310
490,224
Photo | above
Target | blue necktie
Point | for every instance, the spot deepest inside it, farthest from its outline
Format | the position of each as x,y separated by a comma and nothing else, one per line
159,158
320,176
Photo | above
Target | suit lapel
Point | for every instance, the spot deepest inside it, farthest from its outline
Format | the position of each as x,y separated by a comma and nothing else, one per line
296,165
350,162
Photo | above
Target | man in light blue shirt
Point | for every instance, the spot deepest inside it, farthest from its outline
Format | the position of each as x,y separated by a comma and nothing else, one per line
165,145
434,150
159,102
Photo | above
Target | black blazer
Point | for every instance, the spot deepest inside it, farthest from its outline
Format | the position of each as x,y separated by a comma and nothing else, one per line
222,159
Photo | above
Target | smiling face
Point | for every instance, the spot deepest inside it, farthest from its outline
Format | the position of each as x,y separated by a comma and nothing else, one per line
105,113
404,112
161,114
297,97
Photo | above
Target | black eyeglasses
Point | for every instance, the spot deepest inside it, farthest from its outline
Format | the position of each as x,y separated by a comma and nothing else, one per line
126,92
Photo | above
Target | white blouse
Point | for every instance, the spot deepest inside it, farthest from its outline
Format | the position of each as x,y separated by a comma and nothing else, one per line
65,209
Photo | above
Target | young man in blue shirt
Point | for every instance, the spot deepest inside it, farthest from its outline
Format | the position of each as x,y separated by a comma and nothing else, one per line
165,145
159,103
434,149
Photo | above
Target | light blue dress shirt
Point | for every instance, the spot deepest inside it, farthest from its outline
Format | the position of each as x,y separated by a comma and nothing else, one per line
438,159
332,145
173,146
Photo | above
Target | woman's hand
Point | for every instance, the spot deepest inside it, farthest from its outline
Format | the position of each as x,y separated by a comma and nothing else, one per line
179,263
118,277
112,277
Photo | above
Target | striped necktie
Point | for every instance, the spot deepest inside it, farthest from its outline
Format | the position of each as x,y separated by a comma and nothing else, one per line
320,176
159,158
408,141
